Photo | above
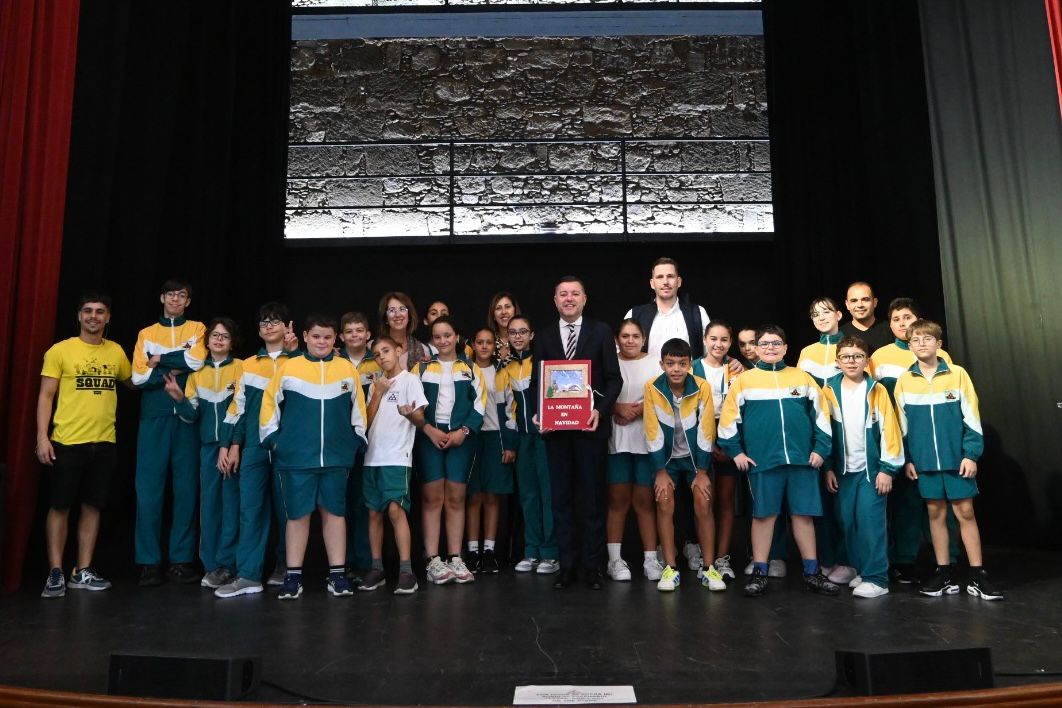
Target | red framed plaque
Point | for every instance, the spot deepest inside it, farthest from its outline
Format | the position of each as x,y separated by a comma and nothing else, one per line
565,398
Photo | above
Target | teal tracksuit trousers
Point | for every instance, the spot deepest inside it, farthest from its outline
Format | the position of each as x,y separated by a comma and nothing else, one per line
255,479
862,517
359,555
166,446
536,499
219,512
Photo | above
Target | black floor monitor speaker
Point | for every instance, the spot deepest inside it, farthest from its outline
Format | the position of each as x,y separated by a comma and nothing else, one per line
883,673
209,678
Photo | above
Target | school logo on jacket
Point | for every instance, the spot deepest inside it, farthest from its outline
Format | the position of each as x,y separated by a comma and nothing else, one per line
231,387
950,396
344,387
794,392
467,375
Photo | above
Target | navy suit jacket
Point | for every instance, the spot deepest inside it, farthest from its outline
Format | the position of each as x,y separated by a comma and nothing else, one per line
595,343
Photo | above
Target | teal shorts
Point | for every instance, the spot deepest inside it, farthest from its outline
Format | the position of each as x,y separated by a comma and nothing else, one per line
629,468
946,485
386,484
306,489
681,469
454,464
489,474
798,485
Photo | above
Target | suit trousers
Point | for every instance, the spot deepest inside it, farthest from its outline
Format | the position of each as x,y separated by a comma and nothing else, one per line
577,482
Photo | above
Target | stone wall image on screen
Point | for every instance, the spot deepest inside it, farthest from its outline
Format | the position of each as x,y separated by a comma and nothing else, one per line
474,137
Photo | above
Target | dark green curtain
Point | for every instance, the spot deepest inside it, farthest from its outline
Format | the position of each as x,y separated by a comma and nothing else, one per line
997,149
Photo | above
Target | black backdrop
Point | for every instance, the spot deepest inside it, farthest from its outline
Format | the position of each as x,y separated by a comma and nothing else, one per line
177,166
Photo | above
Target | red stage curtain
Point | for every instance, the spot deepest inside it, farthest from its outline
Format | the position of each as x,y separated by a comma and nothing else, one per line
1054,28
39,40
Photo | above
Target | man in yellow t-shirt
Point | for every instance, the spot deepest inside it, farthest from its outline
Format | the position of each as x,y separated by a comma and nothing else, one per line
84,371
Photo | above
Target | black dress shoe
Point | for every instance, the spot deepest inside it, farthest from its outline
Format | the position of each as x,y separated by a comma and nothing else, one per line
183,573
565,578
594,579
150,576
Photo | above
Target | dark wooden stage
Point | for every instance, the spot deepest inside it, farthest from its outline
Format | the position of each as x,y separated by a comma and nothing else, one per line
473,644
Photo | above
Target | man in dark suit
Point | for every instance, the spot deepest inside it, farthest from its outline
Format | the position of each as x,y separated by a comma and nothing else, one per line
577,458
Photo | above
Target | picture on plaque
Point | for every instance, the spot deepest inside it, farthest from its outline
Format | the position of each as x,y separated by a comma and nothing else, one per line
566,398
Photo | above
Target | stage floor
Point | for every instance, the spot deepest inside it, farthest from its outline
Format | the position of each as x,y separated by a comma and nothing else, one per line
473,644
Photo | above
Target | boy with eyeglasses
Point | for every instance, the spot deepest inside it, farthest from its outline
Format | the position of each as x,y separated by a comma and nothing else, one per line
867,452
774,426
165,444
937,407
908,522
258,482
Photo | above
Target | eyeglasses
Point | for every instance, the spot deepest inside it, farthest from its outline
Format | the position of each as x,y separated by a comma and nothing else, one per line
522,332
270,323
176,295
770,345
922,340
221,336
397,310
851,357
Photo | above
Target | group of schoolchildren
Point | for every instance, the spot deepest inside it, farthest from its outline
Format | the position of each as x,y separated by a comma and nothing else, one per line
338,422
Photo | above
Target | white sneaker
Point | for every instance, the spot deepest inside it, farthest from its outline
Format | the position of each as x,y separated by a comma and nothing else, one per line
652,569
750,567
712,579
841,574
723,566
694,558
438,572
277,578
618,570
547,566
869,590
239,586
526,565
461,572
669,579
776,569
855,582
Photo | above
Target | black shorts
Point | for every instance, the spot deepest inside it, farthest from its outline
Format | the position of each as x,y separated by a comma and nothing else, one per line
82,473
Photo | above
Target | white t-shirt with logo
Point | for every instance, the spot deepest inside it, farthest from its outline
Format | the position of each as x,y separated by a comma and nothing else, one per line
391,434
444,404
490,415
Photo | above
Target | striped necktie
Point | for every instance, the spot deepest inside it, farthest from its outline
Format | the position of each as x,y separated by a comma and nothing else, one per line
569,348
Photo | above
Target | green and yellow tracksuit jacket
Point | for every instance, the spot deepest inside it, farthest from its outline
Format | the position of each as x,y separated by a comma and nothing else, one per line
820,359
313,413
518,380
470,395
884,441
207,398
696,420
181,346
775,414
939,417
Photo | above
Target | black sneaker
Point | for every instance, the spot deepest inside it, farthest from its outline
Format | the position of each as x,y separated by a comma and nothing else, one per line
372,580
756,584
820,584
183,573
940,584
473,560
980,586
407,584
292,588
904,574
150,576
488,562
